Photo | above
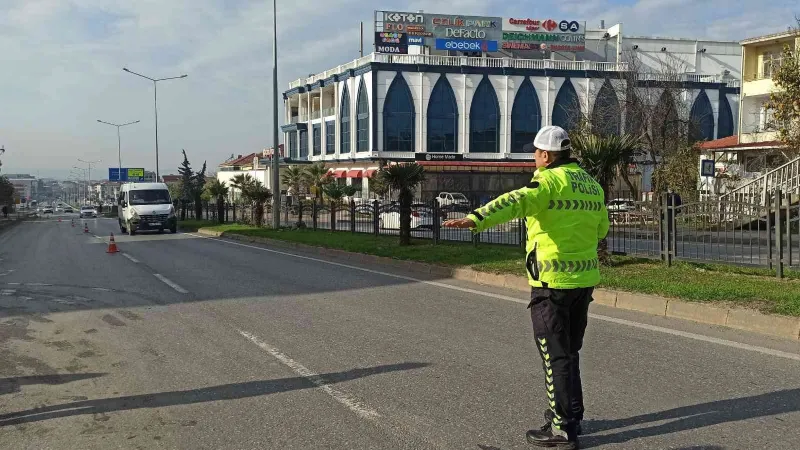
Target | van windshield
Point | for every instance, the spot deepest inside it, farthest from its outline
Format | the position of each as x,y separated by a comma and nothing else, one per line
149,197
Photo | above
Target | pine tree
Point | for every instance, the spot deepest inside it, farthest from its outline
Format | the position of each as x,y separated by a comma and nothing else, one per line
185,170
199,185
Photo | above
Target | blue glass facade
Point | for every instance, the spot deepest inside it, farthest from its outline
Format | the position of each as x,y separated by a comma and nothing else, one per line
317,136
442,118
567,109
725,122
344,123
398,117
484,120
526,117
606,114
330,136
701,119
362,119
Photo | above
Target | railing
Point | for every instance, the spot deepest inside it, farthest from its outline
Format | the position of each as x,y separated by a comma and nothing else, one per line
786,178
518,63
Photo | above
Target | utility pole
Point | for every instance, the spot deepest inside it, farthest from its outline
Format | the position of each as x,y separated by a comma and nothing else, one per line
276,183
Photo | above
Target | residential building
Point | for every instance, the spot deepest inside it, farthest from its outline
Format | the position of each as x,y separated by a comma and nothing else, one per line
25,186
105,191
257,165
754,150
468,115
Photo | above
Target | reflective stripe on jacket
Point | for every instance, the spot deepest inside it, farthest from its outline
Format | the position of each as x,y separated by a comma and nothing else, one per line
565,216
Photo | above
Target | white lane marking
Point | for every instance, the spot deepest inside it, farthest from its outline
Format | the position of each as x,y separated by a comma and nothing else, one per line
698,337
130,257
7,272
38,284
8,292
352,404
170,283
14,284
101,289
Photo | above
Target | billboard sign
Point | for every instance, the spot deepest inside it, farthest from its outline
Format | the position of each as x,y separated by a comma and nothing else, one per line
416,40
544,34
439,156
440,26
391,42
466,45
136,174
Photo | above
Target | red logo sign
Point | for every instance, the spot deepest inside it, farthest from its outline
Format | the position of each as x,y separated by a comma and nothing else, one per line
549,24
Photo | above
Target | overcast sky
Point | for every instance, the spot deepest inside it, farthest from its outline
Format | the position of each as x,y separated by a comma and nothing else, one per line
61,65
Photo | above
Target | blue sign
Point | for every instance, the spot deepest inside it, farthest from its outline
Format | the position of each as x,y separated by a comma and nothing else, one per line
135,175
416,40
466,45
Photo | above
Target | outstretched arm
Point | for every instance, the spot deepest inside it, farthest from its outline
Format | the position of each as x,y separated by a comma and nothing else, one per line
524,202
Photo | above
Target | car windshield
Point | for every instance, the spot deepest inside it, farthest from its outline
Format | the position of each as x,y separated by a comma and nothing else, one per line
459,197
149,197
86,208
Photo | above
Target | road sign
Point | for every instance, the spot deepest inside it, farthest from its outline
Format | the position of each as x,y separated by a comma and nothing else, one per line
136,174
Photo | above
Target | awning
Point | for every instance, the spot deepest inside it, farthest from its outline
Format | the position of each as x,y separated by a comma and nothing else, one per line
338,173
355,173
369,173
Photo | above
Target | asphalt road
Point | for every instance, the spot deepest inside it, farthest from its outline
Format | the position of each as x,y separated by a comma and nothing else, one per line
187,342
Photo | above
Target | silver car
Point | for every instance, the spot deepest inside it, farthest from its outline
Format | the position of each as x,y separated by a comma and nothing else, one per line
88,211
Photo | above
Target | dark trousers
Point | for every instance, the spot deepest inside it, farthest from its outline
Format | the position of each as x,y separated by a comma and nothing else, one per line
559,318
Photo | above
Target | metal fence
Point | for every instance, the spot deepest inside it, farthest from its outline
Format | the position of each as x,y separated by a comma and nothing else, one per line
705,231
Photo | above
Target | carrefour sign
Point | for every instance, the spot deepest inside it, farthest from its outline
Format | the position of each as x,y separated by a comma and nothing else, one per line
549,26
466,45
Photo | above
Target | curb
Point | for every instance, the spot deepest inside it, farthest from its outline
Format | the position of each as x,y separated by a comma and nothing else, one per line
736,318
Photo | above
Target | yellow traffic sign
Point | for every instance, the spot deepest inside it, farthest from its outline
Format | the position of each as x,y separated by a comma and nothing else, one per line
135,173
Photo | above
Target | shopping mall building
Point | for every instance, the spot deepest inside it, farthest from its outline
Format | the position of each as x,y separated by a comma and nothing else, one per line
463,95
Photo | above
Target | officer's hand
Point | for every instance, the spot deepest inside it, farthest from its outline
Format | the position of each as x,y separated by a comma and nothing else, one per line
459,223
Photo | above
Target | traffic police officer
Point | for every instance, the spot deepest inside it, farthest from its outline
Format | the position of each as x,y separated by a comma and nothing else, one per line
566,217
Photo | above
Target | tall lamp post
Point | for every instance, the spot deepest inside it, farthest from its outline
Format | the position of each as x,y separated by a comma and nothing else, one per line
276,183
89,172
155,104
119,142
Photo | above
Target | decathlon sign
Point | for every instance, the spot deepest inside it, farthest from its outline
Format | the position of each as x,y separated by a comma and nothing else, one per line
466,45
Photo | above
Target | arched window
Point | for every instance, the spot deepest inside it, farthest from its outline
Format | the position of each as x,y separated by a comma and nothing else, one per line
442,118
526,117
484,120
398,117
362,119
567,109
344,122
725,122
606,114
665,124
701,119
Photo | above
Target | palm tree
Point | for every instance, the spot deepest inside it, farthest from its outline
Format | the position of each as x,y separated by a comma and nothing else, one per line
604,157
317,177
258,195
294,177
240,182
218,190
404,179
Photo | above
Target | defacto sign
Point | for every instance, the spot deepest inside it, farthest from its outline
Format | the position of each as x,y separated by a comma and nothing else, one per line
386,42
466,45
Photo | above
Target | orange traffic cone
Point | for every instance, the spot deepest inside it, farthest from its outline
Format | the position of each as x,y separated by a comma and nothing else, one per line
59,220
85,227
112,246
73,223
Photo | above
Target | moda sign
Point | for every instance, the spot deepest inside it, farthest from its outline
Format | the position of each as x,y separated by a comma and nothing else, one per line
396,43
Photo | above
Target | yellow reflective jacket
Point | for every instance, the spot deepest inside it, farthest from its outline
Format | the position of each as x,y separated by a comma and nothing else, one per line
565,216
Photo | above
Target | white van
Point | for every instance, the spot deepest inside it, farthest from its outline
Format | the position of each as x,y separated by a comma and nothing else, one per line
145,206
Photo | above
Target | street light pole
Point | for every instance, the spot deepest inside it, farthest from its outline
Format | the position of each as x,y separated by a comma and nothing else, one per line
276,184
119,142
155,105
89,173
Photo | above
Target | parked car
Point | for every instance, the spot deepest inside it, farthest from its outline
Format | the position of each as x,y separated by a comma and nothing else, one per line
421,217
88,211
452,198
68,209
621,205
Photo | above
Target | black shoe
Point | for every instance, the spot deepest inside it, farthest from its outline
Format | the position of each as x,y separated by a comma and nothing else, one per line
541,438
548,417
